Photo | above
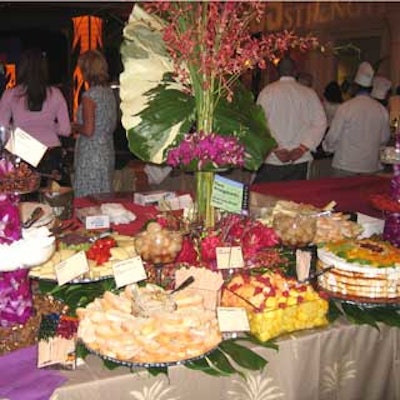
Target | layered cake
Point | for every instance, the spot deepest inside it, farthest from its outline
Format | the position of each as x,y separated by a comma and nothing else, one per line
361,269
148,325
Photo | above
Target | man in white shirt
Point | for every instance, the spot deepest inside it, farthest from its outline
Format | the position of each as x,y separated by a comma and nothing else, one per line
297,121
359,129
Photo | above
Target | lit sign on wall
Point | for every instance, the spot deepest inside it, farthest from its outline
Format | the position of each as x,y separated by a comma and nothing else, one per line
284,15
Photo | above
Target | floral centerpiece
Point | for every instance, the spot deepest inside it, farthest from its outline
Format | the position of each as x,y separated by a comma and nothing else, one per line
182,63
15,291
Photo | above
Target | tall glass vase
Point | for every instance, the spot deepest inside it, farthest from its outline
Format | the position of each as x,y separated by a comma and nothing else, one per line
204,185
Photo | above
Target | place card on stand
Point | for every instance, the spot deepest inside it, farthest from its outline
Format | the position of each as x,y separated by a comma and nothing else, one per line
303,264
230,195
207,283
25,146
71,268
97,222
232,319
229,257
129,271
176,203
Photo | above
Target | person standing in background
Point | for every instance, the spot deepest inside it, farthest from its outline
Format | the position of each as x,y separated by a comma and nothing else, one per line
394,109
37,108
380,89
359,129
332,98
94,159
297,122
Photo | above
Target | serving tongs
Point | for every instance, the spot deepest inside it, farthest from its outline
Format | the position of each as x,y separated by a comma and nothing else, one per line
37,213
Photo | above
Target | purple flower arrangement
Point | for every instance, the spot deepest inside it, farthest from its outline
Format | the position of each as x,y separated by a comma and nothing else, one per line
16,304
199,151
15,289
10,224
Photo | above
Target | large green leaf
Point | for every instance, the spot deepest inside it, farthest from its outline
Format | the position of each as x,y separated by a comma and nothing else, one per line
359,315
243,356
170,114
145,113
246,120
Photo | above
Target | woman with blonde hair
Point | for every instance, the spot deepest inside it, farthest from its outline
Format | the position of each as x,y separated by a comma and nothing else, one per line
94,159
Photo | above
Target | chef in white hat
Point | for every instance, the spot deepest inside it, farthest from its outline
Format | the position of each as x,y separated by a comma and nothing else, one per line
380,89
359,129
364,75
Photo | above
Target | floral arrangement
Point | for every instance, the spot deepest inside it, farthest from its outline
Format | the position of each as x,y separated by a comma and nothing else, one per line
10,223
15,292
258,242
199,151
193,54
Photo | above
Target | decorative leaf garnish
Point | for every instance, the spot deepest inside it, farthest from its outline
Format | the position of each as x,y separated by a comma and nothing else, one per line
218,359
359,315
154,371
243,356
203,365
334,311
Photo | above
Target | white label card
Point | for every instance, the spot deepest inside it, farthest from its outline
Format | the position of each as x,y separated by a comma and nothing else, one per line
23,145
303,264
97,222
71,268
232,319
129,271
229,257
180,202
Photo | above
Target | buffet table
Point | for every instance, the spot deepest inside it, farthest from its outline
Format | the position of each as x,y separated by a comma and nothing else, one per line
342,361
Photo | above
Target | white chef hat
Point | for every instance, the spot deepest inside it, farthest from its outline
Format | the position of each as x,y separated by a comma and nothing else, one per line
364,74
380,87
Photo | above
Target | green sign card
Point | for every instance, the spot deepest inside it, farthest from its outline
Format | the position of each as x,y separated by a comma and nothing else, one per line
229,195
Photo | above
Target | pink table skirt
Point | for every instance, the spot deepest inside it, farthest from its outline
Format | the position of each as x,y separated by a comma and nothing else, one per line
350,193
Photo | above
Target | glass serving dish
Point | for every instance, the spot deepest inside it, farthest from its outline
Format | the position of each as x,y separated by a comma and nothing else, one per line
295,230
158,246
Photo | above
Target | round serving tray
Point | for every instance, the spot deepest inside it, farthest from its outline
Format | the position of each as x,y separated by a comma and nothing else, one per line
132,364
361,301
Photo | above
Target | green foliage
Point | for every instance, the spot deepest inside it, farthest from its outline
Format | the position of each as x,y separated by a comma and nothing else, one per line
169,113
77,295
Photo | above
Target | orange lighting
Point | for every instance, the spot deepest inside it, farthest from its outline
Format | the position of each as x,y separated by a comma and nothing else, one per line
10,75
88,35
